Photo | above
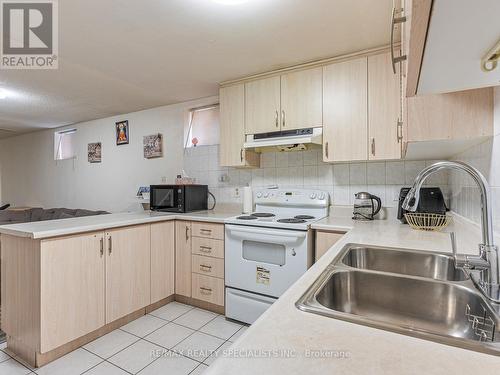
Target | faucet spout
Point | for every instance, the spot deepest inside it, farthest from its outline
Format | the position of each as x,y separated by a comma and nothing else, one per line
487,261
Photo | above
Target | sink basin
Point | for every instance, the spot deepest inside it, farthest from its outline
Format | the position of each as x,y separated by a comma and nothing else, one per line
407,262
410,292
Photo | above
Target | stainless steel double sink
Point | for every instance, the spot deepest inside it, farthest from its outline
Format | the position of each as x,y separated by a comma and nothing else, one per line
412,292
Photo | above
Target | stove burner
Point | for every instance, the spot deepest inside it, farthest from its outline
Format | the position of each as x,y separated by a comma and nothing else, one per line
304,217
246,218
262,214
291,221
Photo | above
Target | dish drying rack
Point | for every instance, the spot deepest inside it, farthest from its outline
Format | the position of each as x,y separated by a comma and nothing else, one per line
482,325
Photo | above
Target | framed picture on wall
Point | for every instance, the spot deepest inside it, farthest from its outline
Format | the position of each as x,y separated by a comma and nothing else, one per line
153,146
122,133
94,152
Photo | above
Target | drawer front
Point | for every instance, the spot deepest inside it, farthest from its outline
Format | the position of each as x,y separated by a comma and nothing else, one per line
208,266
207,230
208,247
208,289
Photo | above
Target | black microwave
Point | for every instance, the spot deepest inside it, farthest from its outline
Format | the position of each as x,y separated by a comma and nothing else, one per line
178,198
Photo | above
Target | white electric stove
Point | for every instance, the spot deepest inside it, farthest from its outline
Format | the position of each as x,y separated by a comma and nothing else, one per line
268,250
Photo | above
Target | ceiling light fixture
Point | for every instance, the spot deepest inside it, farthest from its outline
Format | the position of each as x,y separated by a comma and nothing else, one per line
230,2
3,94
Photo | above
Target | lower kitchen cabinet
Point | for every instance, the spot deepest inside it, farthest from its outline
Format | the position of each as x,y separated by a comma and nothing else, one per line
199,263
208,289
128,270
162,260
183,258
60,293
72,271
324,241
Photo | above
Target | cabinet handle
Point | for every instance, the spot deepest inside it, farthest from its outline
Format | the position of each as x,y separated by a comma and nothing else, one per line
373,146
205,249
187,233
208,231
394,21
205,268
101,248
205,291
399,131
241,155
110,245
283,122
277,121
326,150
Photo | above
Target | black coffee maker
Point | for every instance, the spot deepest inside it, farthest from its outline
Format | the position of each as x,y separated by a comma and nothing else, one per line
431,202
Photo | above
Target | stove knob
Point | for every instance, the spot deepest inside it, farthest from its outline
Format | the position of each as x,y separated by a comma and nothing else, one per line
266,195
259,195
321,196
313,196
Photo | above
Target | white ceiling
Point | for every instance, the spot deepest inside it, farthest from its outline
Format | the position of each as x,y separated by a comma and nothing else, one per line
119,56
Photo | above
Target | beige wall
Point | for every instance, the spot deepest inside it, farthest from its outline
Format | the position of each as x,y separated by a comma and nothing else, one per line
31,177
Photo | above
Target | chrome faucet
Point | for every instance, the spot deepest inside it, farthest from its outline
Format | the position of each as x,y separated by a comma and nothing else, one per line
488,278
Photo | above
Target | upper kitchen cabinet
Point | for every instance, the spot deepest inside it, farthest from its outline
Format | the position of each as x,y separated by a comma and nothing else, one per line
450,45
262,107
384,109
345,129
443,125
232,129
301,99
287,102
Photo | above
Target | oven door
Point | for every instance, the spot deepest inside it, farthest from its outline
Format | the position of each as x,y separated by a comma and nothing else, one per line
264,260
166,198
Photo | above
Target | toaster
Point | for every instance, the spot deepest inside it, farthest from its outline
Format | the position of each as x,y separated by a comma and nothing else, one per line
431,201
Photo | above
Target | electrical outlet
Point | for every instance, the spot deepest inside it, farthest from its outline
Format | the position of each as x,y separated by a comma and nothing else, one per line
164,180
236,193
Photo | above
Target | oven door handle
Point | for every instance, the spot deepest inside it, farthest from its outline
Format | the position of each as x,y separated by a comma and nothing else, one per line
284,235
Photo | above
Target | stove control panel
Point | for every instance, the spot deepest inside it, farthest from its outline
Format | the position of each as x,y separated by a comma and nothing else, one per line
292,197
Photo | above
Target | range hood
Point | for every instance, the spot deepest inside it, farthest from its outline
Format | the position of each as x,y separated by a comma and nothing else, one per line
285,138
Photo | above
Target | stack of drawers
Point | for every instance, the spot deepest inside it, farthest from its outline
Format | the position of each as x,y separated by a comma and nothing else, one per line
208,262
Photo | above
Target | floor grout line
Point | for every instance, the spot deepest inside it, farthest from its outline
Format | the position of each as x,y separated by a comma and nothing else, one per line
184,313
87,370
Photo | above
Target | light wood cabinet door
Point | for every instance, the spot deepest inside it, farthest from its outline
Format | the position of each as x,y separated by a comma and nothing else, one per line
128,270
162,260
383,109
345,127
324,241
183,258
232,129
262,105
72,288
301,99
457,115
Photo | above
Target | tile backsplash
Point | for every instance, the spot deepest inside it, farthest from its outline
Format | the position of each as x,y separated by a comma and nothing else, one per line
305,169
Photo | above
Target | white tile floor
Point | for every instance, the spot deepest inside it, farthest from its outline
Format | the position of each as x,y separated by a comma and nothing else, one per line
176,339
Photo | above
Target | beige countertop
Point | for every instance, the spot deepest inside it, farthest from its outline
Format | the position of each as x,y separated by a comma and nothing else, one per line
55,228
285,340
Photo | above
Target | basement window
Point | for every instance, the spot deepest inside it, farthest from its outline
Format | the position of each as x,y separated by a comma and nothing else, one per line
203,128
65,144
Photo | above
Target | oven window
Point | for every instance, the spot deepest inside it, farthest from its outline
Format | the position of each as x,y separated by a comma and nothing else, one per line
163,198
262,252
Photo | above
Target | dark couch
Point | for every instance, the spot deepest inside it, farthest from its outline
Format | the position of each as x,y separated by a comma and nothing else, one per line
40,214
